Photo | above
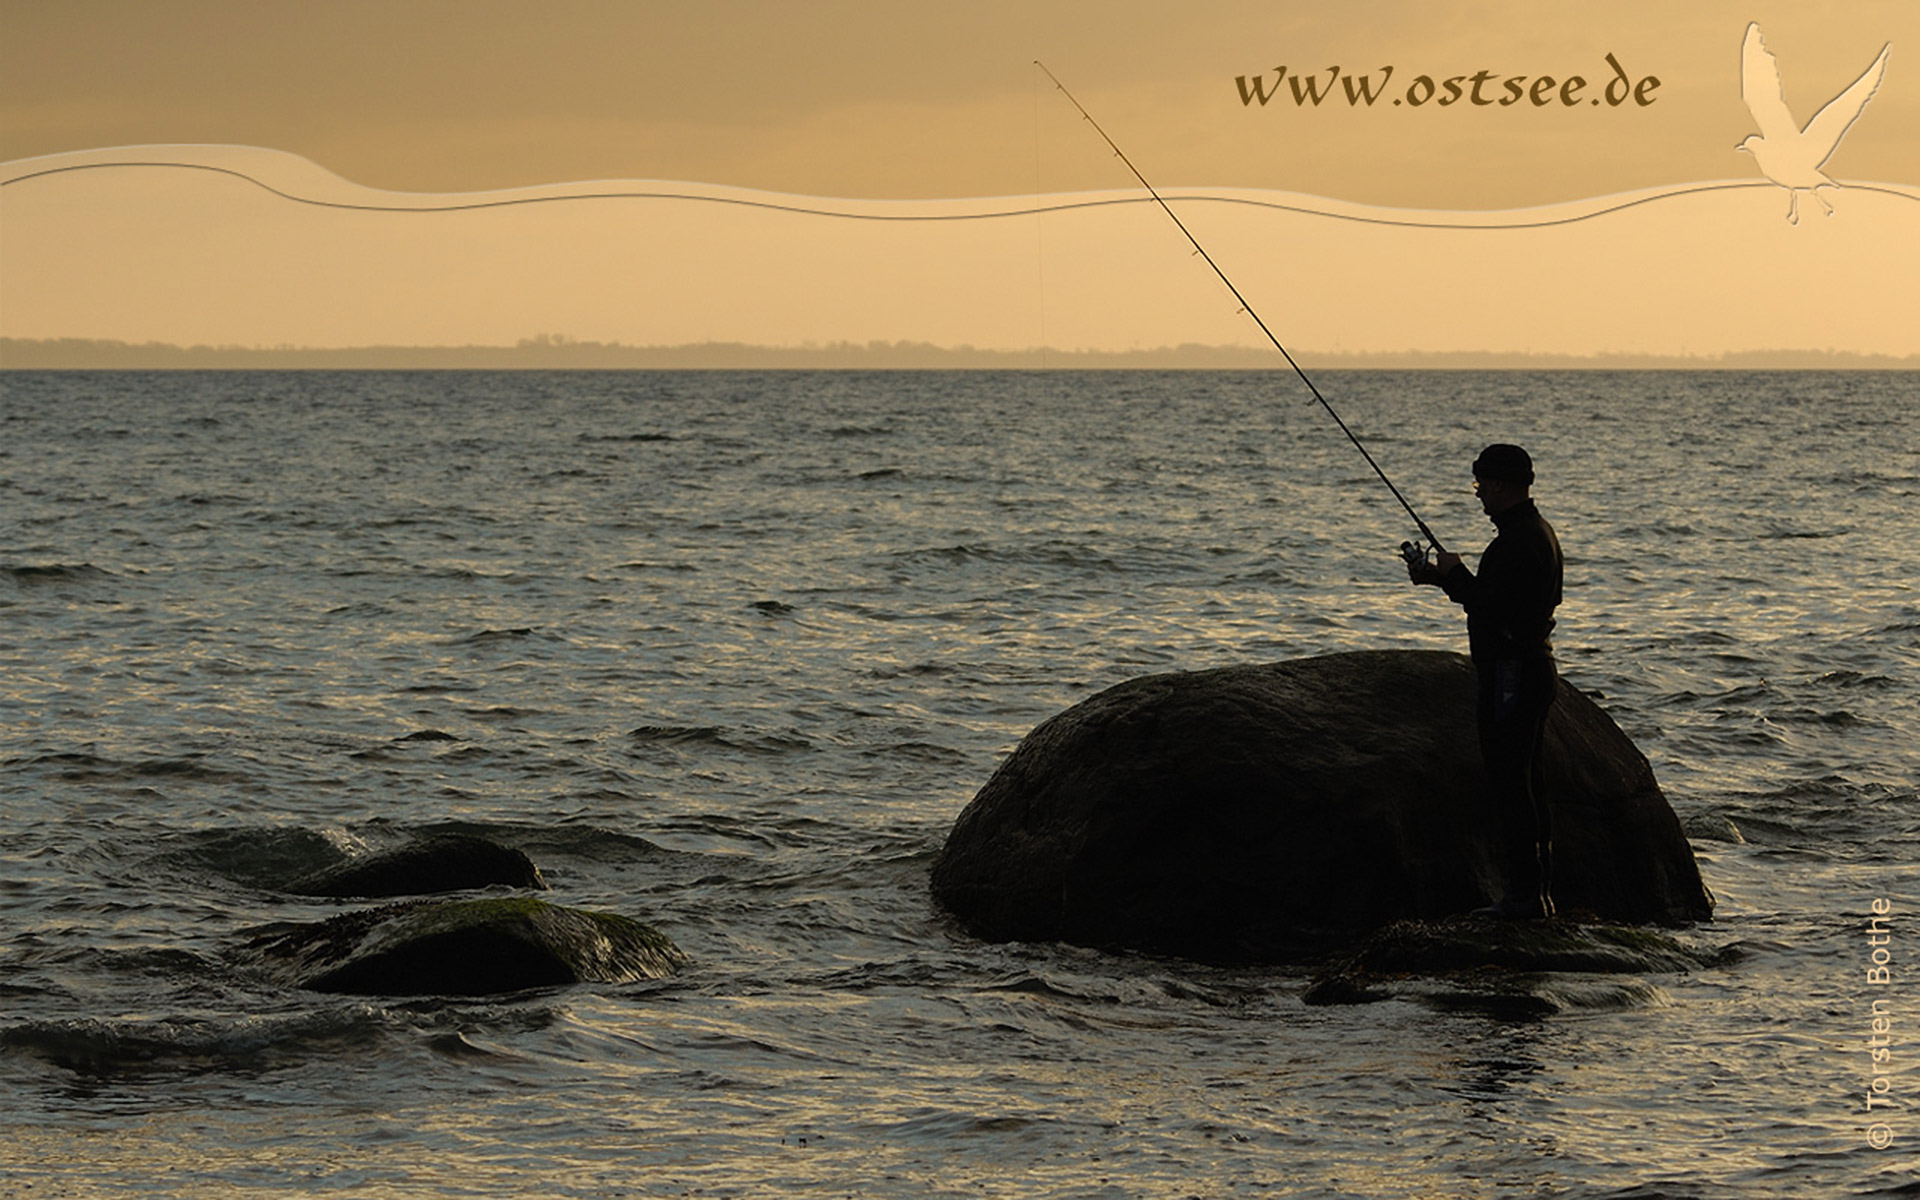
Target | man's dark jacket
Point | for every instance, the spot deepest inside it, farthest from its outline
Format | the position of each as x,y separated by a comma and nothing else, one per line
1510,602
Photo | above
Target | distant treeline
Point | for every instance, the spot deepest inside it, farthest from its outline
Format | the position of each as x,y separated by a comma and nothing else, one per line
553,353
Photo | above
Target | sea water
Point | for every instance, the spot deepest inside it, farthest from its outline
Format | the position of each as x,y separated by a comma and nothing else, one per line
728,652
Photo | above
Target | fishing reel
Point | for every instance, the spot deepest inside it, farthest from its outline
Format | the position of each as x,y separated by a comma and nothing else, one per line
1417,553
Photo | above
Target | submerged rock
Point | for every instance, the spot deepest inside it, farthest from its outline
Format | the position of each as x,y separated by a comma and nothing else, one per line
1266,812
446,862
1513,968
1712,827
465,948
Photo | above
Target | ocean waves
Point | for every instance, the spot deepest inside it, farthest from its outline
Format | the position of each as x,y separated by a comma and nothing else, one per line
54,574
728,652
94,1047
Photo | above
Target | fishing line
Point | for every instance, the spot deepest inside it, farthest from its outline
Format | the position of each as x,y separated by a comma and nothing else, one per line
1039,231
1245,307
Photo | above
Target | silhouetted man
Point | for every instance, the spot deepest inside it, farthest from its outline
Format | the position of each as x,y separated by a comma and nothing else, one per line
1510,607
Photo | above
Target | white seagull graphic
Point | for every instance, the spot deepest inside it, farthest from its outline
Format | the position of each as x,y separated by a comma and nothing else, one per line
1787,154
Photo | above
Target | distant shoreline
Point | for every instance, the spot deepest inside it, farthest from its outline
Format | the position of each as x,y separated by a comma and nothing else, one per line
549,353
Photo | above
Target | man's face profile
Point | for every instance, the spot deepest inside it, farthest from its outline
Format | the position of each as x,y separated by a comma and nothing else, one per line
1495,495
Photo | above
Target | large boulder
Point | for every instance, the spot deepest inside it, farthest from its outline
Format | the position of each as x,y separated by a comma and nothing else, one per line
464,948
1266,812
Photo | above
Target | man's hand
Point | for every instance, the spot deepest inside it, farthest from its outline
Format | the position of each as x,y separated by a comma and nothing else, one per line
1430,574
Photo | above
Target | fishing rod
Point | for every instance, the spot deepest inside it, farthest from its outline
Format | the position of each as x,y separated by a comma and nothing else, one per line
1411,551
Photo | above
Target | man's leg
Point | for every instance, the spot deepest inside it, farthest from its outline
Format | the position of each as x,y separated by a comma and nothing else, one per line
1513,723
1541,686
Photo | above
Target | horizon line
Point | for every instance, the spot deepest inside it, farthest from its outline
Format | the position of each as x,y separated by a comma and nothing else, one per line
550,352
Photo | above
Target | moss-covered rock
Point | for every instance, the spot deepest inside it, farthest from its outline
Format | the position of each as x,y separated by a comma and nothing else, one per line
465,948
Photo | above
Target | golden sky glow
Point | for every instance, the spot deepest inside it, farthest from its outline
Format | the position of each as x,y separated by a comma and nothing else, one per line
884,98
882,102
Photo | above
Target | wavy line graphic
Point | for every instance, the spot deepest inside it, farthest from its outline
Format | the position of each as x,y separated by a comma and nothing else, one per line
356,198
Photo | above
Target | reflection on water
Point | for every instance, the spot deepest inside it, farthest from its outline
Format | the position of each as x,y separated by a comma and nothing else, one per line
728,652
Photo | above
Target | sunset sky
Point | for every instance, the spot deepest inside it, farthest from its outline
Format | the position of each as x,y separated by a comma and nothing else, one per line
869,100
878,98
